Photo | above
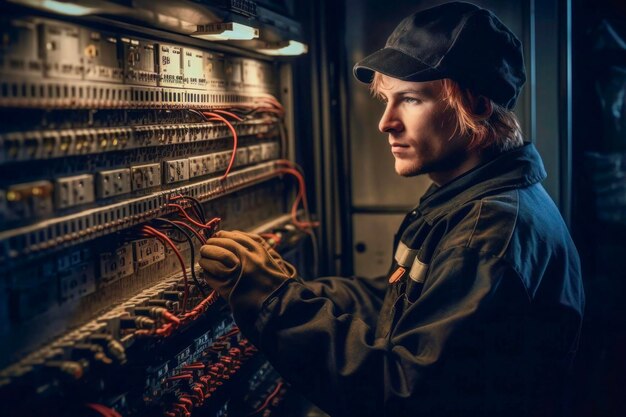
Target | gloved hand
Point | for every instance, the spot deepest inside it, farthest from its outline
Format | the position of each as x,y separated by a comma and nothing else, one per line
243,263
289,269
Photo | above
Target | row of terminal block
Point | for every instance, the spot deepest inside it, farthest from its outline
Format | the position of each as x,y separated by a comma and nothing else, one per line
56,233
37,145
41,198
38,47
59,94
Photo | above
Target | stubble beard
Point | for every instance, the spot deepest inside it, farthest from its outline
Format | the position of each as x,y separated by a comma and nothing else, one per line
447,163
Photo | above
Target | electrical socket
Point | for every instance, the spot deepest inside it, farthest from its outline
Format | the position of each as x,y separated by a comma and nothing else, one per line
145,176
73,191
33,199
241,157
195,167
148,252
255,154
176,170
76,282
269,151
221,160
201,165
113,182
116,265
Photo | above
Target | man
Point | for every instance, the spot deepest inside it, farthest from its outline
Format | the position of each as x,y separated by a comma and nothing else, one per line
483,303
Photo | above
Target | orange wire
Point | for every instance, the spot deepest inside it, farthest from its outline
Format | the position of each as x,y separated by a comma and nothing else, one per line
301,196
301,193
234,132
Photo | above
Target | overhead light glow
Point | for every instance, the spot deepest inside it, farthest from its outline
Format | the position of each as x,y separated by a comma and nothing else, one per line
226,31
291,49
65,8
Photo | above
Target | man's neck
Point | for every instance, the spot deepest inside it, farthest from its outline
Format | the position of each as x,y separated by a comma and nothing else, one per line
471,161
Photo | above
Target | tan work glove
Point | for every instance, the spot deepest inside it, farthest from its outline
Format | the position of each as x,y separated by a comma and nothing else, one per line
243,263
289,269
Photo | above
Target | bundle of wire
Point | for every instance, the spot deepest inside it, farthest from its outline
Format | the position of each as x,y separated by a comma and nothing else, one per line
188,232
263,103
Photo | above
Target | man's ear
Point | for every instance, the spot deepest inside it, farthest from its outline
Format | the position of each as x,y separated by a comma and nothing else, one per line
481,106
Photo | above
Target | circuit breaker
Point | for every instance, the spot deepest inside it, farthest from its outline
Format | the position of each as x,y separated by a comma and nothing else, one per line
122,149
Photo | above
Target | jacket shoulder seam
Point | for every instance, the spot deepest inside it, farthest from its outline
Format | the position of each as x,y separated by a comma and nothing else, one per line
512,230
469,240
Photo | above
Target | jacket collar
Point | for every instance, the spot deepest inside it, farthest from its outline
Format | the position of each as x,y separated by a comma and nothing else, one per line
517,168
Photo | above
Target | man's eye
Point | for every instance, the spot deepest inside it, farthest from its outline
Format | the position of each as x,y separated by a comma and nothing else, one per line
412,100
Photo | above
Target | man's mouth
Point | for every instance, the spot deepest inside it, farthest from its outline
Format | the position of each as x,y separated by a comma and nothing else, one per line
398,148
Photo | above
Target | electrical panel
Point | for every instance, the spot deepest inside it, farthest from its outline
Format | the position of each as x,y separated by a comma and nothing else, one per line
121,152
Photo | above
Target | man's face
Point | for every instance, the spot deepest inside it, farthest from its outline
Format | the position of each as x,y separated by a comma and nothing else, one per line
421,129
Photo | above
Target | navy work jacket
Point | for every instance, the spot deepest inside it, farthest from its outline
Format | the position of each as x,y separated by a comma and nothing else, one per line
479,316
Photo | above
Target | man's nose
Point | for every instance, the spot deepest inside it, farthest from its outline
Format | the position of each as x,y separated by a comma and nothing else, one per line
390,121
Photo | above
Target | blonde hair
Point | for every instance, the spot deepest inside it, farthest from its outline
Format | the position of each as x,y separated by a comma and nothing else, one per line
487,124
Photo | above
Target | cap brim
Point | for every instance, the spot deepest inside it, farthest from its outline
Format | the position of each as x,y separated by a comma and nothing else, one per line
395,64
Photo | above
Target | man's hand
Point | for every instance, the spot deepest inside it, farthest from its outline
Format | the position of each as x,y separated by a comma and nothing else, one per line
232,259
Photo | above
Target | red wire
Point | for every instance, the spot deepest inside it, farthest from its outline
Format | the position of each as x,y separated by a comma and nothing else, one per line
273,236
164,238
184,213
179,405
208,226
268,399
178,377
234,132
192,367
213,222
201,306
233,115
103,410
165,330
301,194
170,317
199,392
186,401
232,332
185,225
193,207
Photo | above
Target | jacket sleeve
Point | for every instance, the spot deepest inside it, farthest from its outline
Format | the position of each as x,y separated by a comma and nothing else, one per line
360,297
332,356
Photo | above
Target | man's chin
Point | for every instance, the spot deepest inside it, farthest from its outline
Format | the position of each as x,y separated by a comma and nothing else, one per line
406,170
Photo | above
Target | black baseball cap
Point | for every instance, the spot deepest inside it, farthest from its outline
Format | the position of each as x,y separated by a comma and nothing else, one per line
457,40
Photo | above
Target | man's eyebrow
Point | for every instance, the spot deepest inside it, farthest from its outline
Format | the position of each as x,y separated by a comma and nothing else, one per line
421,91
